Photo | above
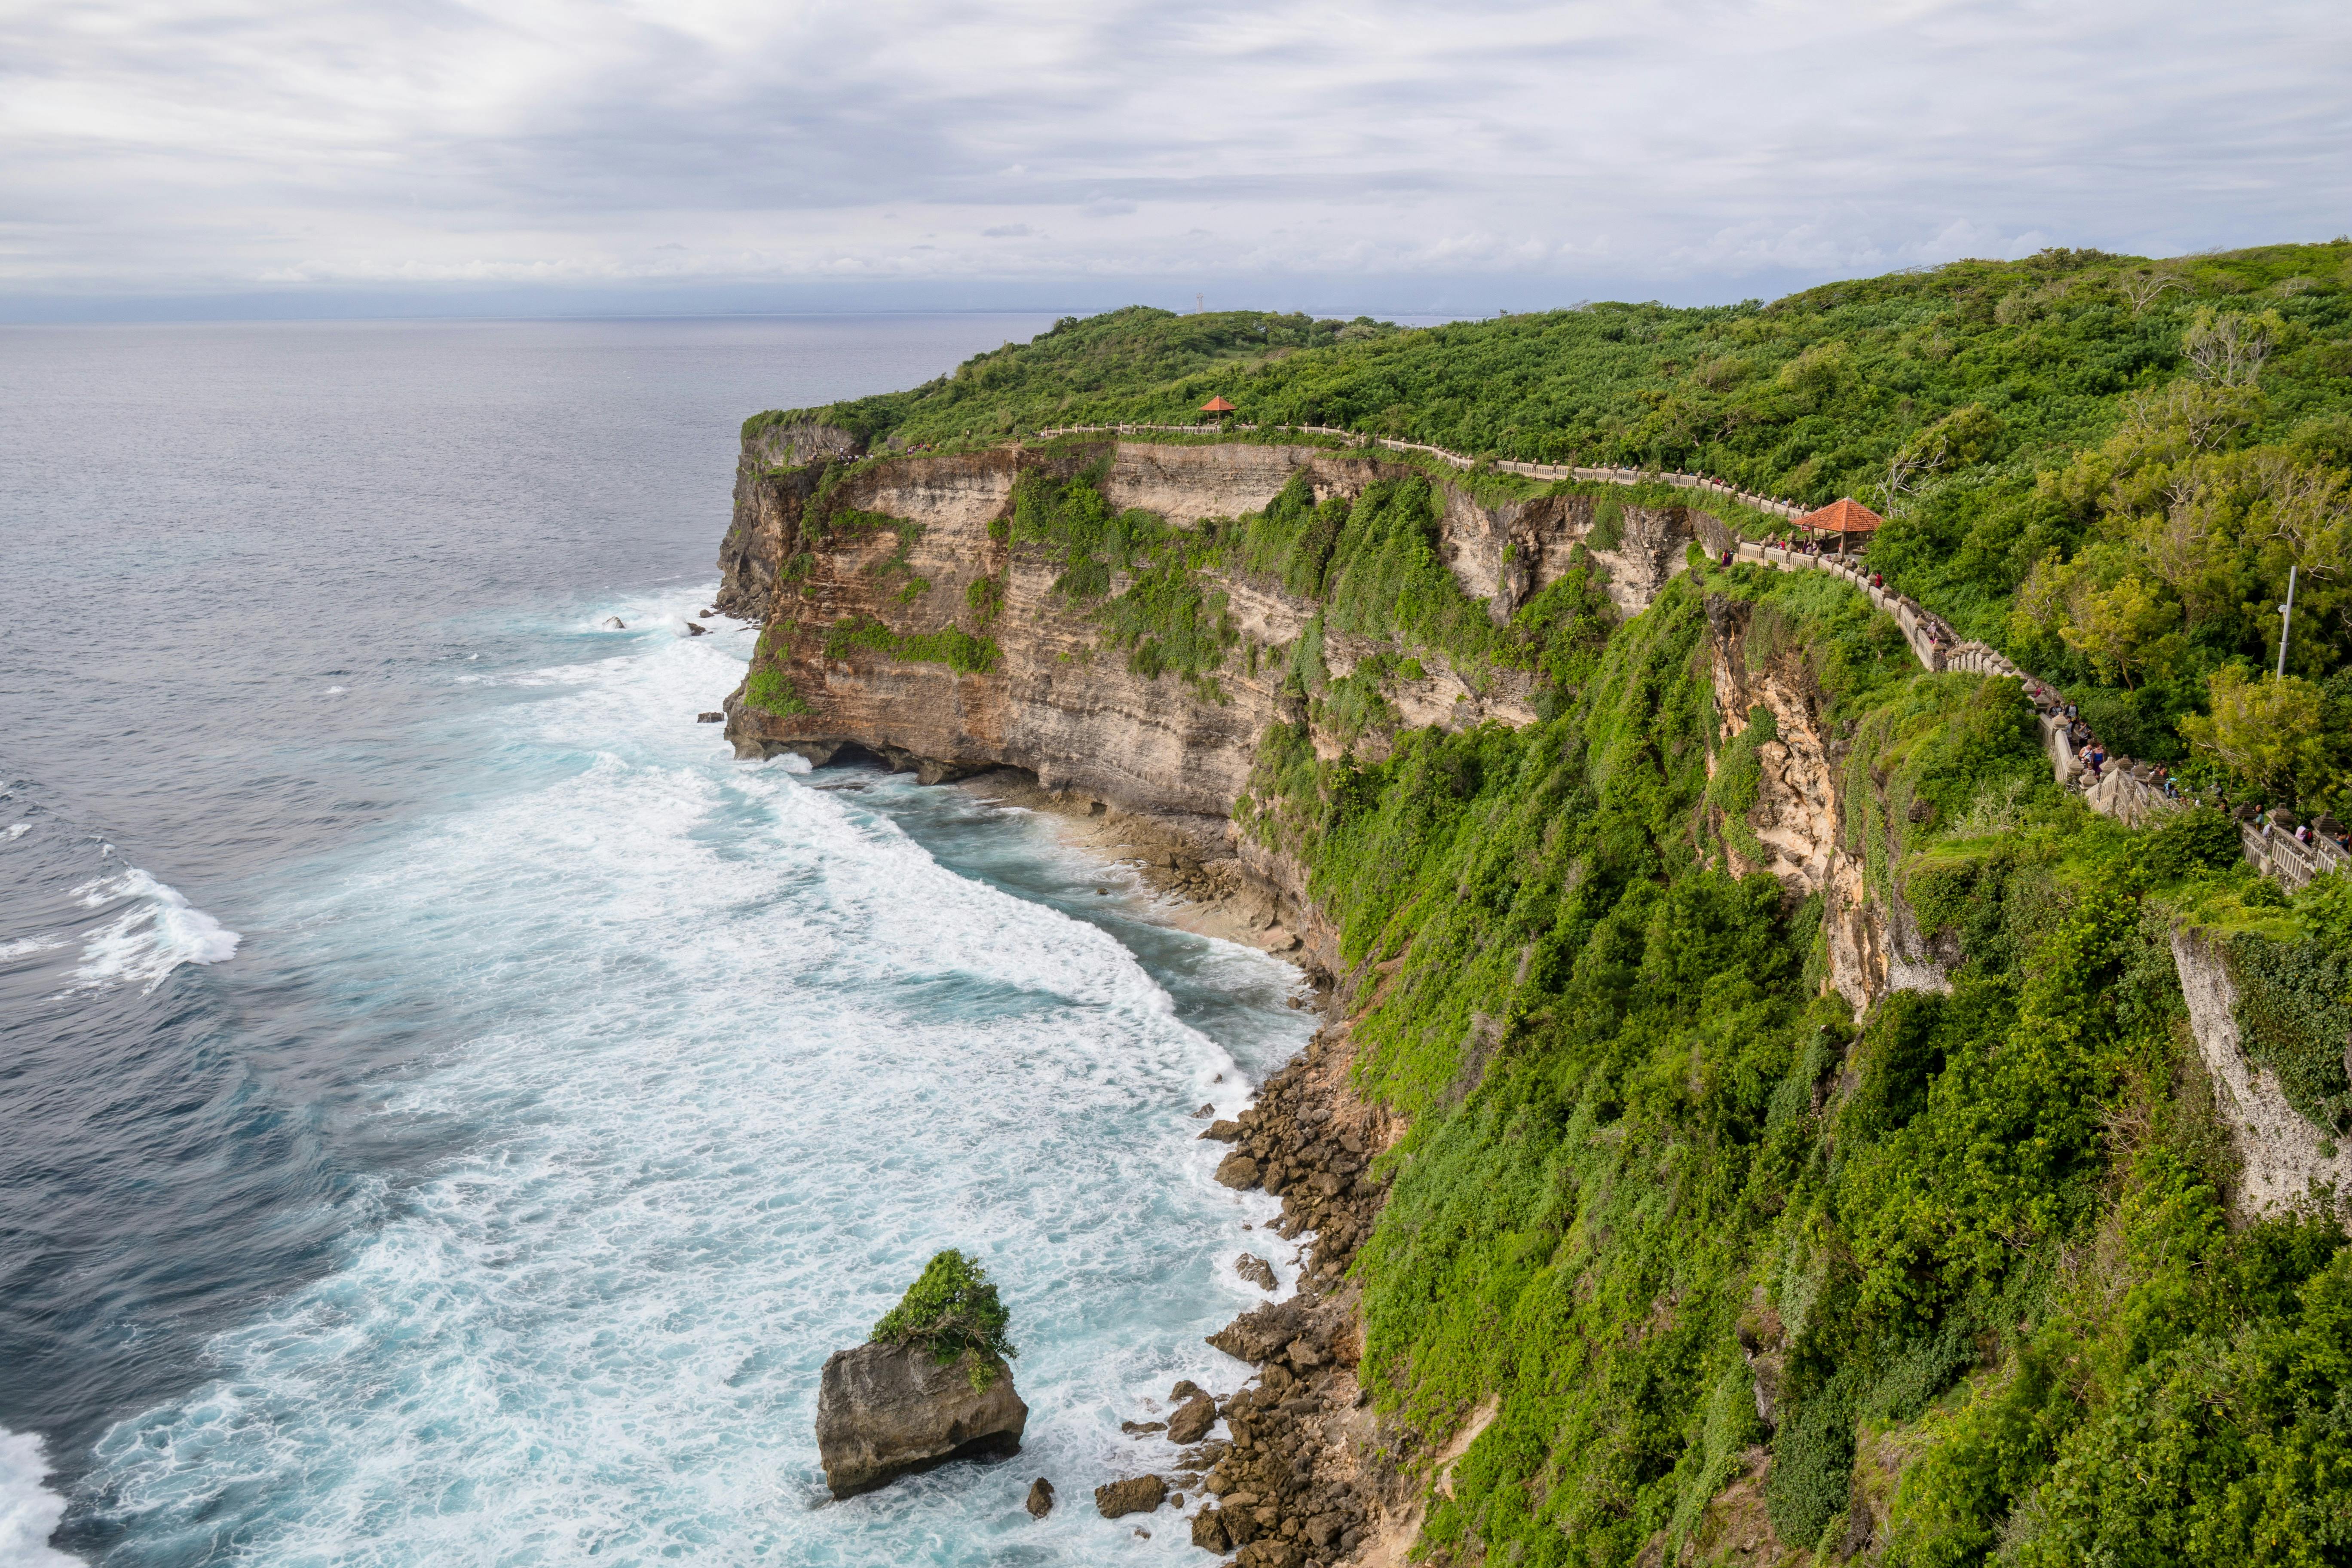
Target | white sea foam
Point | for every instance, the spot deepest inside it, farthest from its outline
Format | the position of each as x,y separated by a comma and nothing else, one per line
29,1510
729,1056
17,830
26,947
156,932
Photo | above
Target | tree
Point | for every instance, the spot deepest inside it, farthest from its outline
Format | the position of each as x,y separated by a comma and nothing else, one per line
950,1311
2229,351
2142,288
2121,630
2269,732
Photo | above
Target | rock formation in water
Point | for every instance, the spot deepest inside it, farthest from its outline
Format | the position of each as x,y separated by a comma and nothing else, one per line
885,1410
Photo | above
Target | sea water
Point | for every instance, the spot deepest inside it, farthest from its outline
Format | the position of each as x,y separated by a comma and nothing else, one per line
453,1107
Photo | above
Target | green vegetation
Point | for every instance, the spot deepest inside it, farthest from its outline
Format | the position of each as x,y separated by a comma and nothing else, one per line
951,1312
950,645
1976,1244
1135,364
772,691
2102,464
2294,1004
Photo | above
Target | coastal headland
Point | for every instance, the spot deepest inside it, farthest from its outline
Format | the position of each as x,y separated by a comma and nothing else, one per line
1778,1099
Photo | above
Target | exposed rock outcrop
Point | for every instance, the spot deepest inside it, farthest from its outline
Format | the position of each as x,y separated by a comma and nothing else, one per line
1138,1494
1079,723
884,1410
2283,1157
1801,820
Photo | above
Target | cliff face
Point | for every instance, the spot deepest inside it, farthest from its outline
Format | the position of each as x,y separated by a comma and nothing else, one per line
916,548
1800,825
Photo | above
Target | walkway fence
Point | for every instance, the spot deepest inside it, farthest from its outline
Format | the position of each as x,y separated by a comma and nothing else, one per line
1501,465
2123,789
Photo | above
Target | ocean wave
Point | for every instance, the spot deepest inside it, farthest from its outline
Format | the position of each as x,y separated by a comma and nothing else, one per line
29,1510
157,932
721,1059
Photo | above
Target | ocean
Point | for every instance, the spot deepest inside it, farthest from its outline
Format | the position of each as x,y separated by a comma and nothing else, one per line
449,1108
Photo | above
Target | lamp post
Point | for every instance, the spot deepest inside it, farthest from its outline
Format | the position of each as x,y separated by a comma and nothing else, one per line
2286,620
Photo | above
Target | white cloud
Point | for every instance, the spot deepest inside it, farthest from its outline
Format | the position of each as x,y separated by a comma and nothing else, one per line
231,143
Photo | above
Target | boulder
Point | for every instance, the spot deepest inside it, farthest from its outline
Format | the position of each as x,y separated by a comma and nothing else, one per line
1040,1501
697,629
883,1410
614,622
1256,1270
1223,1131
711,716
1237,1170
1142,1494
1193,1419
1209,1530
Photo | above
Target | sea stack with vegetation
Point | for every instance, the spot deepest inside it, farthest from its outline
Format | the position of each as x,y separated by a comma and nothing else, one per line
929,1385
1819,1068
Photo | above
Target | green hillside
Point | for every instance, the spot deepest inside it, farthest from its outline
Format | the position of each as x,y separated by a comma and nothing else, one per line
2105,466
1976,1244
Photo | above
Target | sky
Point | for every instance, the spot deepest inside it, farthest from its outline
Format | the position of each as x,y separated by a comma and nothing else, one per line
275,157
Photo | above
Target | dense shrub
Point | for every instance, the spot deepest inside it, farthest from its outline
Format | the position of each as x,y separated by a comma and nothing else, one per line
952,1311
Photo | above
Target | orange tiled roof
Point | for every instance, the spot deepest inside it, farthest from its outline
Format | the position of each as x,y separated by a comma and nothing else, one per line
1216,406
1844,515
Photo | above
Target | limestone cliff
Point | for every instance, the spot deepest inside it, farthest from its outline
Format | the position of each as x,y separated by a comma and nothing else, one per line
902,620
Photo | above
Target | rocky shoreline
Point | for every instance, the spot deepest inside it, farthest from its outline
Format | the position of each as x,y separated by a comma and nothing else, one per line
1305,1478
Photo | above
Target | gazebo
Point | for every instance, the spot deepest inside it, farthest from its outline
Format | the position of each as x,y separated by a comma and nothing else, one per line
1220,407
1844,517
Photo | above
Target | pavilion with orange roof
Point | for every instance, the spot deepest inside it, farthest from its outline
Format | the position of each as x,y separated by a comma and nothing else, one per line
1844,517
1218,406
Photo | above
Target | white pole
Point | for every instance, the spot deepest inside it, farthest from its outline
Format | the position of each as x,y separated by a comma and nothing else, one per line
2286,621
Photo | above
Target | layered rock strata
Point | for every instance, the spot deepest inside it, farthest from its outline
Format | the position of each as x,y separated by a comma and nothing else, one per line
1049,703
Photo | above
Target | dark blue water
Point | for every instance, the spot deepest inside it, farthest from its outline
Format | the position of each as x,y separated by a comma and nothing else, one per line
450,1107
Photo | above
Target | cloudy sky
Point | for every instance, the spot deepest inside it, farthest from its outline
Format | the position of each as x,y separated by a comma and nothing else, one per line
777,154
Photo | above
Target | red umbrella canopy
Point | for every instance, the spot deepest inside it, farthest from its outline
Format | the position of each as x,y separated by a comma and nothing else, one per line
1217,405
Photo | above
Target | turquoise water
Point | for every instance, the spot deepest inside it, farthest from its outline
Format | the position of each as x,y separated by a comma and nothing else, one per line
478,1168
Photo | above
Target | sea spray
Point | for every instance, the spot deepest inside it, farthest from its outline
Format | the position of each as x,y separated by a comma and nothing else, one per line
29,1510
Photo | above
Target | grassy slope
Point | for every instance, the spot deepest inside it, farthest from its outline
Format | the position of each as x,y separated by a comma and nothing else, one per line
2051,405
